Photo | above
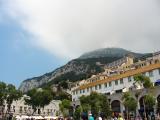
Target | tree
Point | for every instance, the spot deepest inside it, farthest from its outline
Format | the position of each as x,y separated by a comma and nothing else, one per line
149,100
64,84
143,81
85,100
105,107
147,85
2,96
38,98
129,102
65,106
2,93
8,93
61,95
97,103
77,113
12,95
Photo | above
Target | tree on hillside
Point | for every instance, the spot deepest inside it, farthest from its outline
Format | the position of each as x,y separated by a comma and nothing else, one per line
64,84
61,95
38,98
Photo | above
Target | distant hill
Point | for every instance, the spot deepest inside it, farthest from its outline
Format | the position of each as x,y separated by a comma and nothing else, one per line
80,68
108,52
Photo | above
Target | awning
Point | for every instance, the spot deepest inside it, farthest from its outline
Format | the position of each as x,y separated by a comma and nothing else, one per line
157,82
37,117
50,117
24,116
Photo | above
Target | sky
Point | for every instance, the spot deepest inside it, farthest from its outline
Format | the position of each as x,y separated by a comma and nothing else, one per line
37,36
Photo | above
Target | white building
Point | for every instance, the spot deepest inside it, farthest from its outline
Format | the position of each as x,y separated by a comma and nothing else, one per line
20,108
113,86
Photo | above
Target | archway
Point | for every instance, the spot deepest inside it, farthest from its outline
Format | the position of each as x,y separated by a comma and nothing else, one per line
115,105
141,103
145,108
158,104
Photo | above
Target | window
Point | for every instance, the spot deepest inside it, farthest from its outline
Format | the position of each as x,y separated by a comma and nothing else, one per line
39,111
144,74
119,91
116,82
110,84
80,91
96,87
20,109
121,81
105,85
48,111
129,79
91,88
25,109
87,89
150,73
14,108
159,71
76,92
99,86
84,91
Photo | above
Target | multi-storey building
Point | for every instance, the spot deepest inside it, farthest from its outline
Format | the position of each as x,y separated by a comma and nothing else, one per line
125,61
20,108
113,86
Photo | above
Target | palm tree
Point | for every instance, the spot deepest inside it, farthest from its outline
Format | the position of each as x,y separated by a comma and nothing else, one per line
146,84
129,102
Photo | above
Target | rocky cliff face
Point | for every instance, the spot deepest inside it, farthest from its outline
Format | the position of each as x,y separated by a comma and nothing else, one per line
77,69
35,82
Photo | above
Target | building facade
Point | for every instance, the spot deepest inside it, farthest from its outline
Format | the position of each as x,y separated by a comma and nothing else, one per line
20,108
114,85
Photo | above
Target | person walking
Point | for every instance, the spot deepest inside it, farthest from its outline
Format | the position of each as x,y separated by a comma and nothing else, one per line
91,117
99,118
120,117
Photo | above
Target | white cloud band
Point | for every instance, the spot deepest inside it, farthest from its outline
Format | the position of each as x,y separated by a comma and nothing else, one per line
68,28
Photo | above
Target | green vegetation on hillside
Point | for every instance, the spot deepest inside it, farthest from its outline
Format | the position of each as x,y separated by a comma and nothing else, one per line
90,64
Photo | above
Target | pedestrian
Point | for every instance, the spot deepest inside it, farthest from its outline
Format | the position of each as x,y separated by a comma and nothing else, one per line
99,118
91,117
120,117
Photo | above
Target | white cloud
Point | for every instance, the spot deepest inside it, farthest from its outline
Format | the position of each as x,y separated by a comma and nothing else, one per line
68,28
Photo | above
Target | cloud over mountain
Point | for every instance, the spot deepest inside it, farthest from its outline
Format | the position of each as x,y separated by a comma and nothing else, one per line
68,28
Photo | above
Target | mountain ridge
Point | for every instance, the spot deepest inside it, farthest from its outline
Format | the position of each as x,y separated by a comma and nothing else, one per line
108,52
77,69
